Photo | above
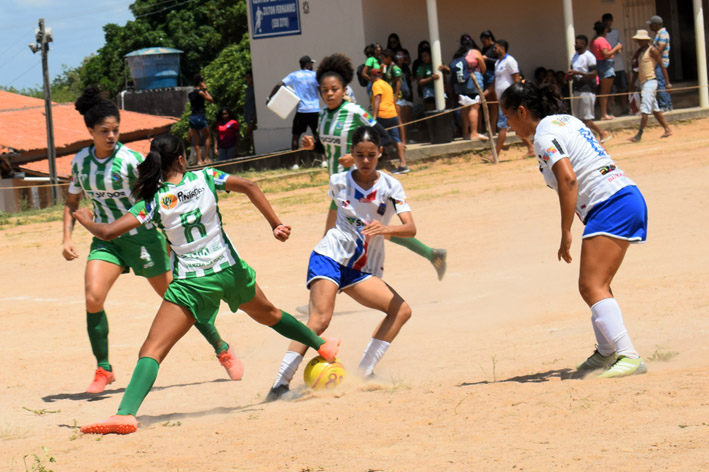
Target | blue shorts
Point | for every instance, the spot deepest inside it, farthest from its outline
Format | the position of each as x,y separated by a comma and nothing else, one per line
198,122
605,69
322,267
623,216
392,127
501,119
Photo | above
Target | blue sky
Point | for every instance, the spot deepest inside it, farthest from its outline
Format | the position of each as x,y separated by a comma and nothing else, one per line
77,27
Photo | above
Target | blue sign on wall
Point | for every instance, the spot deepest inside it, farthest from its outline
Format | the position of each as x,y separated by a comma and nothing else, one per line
274,18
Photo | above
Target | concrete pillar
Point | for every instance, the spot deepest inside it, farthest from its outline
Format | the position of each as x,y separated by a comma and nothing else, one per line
701,53
570,37
436,60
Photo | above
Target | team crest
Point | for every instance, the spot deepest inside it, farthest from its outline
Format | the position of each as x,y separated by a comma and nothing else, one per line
168,201
116,177
338,126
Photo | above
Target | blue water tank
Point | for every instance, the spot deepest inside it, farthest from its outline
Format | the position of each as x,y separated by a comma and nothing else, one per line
153,68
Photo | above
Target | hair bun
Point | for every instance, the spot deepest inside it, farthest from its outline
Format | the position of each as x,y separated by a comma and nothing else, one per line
90,97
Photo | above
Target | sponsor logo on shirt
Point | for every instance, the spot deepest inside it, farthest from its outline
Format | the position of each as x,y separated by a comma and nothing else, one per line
168,201
187,196
106,194
591,140
558,123
551,150
605,169
362,198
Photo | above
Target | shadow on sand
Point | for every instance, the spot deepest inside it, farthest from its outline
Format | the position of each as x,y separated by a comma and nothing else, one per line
563,374
93,397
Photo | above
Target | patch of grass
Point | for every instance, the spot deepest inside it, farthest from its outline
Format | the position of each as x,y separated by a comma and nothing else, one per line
74,431
40,412
38,465
662,355
8,432
172,423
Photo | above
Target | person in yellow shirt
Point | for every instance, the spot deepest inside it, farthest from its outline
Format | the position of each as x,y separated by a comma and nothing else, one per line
384,111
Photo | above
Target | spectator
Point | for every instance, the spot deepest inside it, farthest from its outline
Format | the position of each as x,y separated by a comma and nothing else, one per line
227,134
488,52
645,61
306,88
425,78
250,110
423,45
393,75
662,44
467,63
373,53
199,130
506,74
384,111
404,104
601,48
620,82
539,74
583,76
394,44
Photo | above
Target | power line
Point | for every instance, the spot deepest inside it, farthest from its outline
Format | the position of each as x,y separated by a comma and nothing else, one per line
22,74
164,9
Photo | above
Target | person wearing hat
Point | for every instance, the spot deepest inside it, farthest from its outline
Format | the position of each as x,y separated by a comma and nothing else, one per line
305,85
662,42
645,61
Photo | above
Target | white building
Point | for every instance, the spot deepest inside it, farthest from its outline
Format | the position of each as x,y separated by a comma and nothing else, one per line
535,29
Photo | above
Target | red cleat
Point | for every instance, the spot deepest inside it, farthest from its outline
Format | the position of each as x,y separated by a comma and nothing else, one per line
233,365
118,424
329,349
102,378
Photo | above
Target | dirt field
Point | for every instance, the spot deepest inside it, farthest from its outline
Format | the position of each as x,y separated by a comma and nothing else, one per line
480,379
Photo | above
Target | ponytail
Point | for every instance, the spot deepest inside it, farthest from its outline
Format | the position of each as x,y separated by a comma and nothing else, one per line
164,151
540,101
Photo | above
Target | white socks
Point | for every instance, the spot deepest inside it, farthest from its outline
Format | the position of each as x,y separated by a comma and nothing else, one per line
372,354
610,331
289,365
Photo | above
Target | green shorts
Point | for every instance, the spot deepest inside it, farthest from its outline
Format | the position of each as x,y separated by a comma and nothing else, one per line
202,295
145,253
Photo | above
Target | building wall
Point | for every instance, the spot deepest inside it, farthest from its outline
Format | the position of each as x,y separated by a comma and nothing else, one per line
535,31
329,26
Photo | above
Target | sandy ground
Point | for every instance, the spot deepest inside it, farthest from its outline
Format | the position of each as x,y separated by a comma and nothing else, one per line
480,379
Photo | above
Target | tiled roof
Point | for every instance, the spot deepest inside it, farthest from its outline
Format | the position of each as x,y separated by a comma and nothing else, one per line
64,162
22,122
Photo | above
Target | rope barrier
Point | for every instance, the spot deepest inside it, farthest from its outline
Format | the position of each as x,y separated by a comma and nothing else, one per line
285,153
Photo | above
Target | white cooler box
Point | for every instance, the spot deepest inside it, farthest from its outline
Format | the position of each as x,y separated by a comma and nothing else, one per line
283,102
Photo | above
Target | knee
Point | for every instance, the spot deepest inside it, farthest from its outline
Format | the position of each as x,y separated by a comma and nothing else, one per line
319,322
403,314
94,300
586,290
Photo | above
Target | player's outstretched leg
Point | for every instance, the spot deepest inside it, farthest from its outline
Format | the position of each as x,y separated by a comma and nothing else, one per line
437,257
170,324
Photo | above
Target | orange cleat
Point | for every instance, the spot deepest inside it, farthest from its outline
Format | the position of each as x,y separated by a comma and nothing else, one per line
329,348
102,378
118,424
233,365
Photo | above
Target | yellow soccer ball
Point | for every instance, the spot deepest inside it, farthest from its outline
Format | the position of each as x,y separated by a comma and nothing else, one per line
320,374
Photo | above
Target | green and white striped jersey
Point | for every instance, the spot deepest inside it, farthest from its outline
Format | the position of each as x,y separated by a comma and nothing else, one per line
107,182
188,215
336,127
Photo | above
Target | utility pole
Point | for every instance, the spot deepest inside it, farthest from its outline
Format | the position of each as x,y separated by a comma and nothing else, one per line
44,37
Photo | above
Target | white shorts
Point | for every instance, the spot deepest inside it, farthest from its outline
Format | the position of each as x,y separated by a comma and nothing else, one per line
583,105
648,97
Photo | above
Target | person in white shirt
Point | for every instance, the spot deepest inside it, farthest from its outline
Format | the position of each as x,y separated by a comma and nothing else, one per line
608,203
506,74
583,73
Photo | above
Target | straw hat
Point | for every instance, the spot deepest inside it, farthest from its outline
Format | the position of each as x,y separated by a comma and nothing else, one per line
641,35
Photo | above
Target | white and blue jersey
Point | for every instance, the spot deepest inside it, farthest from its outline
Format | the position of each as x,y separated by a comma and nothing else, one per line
566,137
306,88
356,208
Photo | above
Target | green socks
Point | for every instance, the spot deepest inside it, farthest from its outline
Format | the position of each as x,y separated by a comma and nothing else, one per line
97,327
210,333
144,375
297,331
413,244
